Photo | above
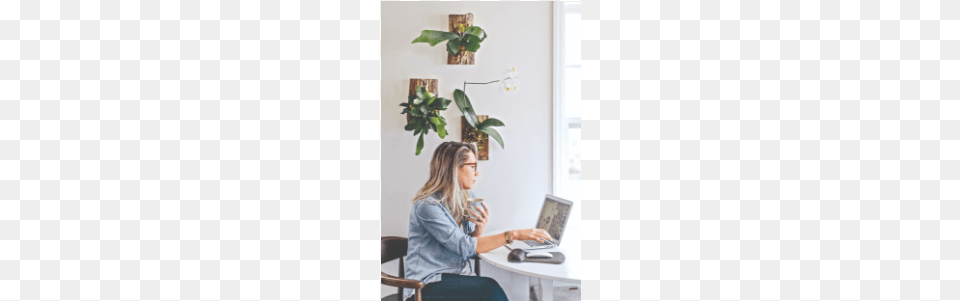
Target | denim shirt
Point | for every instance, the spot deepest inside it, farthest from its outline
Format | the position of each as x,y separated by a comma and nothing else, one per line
436,245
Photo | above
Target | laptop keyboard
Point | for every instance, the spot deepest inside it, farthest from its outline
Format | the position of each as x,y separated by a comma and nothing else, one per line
534,243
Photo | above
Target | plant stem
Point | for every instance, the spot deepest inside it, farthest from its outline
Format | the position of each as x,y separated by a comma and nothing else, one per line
465,83
482,83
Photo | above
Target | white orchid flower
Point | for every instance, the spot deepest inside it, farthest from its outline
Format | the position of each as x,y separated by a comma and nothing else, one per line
512,72
509,85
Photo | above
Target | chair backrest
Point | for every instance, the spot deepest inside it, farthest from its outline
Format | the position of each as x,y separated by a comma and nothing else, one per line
392,247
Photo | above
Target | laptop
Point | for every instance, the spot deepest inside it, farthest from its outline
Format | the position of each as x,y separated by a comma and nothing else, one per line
553,218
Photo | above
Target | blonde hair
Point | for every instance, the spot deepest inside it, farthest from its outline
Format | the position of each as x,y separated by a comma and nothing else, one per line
447,158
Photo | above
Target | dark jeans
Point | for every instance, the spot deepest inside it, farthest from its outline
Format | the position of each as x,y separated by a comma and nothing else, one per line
460,287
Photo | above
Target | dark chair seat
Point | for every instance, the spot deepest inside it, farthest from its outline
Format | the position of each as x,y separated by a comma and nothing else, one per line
393,297
394,247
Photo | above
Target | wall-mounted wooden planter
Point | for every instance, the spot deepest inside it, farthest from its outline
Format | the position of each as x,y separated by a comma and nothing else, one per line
470,134
464,57
431,85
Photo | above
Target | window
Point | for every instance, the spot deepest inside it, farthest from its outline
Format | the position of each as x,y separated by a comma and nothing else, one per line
567,104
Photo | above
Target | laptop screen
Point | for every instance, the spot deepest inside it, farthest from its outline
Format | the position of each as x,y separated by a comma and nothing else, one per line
553,217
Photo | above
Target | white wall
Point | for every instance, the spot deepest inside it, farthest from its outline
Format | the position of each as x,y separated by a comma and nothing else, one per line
513,182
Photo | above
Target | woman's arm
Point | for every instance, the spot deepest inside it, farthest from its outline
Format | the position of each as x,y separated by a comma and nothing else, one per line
490,242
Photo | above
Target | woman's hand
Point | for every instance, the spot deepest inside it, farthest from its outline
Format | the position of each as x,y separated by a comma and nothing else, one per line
480,219
531,234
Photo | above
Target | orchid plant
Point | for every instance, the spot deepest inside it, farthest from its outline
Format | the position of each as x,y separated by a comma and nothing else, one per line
508,84
486,126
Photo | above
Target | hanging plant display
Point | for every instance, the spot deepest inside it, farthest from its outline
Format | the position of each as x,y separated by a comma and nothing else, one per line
424,109
483,126
463,39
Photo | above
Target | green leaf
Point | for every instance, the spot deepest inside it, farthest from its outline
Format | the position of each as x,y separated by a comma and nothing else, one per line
403,104
453,46
471,115
422,94
420,144
440,104
461,99
441,126
442,131
445,103
410,126
493,133
405,111
476,31
489,122
472,43
416,131
429,100
465,107
433,37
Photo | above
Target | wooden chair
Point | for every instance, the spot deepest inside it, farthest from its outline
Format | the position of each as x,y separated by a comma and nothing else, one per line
394,247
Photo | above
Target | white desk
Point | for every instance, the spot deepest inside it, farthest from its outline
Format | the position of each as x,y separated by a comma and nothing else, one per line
542,274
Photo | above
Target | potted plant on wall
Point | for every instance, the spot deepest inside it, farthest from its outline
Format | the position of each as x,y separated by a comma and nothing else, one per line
423,115
423,109
463,39
481,126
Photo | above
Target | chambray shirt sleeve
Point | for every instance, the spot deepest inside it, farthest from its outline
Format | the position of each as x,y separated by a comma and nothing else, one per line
438,223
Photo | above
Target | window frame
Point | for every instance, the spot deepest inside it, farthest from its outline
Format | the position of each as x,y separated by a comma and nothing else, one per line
561,123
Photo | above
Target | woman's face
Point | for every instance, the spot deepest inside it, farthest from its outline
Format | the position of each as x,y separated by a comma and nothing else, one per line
468,173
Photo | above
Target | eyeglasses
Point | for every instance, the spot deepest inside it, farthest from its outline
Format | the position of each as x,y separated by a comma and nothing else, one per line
473,164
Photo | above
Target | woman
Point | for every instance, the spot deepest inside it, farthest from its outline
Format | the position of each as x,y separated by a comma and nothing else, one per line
443,236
